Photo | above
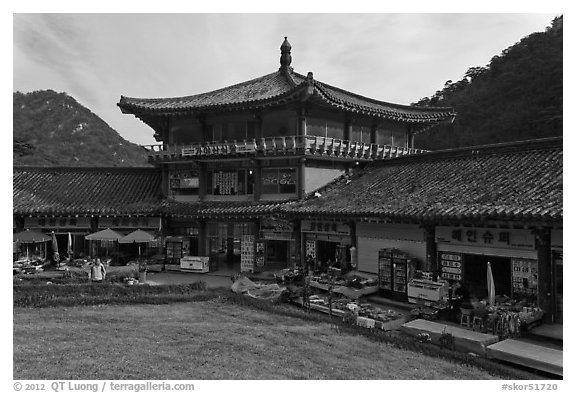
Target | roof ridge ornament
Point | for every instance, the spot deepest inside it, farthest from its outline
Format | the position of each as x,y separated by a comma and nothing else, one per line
285,55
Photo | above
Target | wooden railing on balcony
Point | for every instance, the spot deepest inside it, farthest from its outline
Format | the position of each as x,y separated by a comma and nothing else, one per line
284,145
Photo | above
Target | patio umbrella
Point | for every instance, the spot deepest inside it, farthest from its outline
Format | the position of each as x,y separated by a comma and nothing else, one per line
30,237
107,235
69,249
491,289
55,253
138,236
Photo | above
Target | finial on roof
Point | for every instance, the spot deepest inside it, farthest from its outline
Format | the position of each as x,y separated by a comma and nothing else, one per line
285,57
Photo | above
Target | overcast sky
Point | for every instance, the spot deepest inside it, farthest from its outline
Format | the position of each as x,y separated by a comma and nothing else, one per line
398,58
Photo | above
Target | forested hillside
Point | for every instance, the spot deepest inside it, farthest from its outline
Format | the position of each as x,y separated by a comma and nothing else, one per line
53,129
517,96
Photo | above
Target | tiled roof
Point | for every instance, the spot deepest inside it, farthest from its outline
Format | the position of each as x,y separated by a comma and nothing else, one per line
246,209
85,191
513,181
272,88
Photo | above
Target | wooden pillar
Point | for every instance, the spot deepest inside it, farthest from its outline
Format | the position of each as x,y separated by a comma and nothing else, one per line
259,132
347,128
302,121
257,179
373,131
545,298
431,262
298,258
202,181
165,179
203,238
230,243
301,189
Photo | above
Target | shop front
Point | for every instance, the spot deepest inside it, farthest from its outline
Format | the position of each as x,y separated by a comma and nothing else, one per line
77,227
276,245
184,242
228,244
327,244
409,239
556,244
464,254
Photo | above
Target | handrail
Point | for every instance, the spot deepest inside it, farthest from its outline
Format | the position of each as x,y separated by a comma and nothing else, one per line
306,144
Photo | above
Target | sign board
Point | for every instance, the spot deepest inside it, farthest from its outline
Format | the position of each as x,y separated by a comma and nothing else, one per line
327,227
213,149
521,239
247,253
57,222
525,276
451,267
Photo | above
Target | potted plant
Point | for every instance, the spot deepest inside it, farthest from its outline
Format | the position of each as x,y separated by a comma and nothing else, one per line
142,270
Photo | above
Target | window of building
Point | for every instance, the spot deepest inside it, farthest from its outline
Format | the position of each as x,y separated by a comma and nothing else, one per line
279,181
184,182
360,133
230,182
279,123
237,130
325,128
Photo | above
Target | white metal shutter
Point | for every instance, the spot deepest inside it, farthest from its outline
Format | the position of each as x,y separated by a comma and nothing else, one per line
368,251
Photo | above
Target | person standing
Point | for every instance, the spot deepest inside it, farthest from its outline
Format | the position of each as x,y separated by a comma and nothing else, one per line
97,272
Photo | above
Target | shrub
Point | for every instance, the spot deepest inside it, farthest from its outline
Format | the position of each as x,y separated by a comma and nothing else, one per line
446,340
423,338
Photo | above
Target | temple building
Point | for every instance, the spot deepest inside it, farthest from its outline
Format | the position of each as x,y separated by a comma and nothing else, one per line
230,157
284,170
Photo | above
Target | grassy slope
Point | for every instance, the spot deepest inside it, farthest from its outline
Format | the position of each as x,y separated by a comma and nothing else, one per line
204,340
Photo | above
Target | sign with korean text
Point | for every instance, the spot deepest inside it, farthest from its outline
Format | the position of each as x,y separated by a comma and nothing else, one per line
217,149
57,222
451,266
520,239
525,276
327,227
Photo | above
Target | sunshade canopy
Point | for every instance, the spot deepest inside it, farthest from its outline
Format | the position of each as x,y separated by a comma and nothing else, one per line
138,236
106,234
29,236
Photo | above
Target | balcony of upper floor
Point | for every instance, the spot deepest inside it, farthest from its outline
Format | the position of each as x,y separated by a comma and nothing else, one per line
284,146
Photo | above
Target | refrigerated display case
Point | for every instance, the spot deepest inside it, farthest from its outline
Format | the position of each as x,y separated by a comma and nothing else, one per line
395,269
173,254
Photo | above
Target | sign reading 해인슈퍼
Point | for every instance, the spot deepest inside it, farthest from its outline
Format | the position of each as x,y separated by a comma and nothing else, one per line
486,237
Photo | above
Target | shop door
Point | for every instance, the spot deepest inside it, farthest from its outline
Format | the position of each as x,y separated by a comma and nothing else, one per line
475,270
558,262
277,254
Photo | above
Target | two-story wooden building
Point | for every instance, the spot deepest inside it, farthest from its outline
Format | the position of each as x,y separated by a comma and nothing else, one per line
229,157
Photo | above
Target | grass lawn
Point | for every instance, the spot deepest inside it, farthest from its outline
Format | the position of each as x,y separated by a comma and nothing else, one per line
205,340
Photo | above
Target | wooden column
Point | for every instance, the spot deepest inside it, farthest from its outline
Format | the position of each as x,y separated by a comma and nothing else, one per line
544,272
259,133
373,131
202,181
301,189
165,179
302,121
347,128
431,262
203,239
257,179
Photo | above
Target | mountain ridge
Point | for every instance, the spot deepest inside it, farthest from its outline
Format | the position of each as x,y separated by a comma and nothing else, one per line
53,129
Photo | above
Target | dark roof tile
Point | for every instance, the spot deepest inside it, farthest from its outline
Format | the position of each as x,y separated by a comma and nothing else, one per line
507,181
85,191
